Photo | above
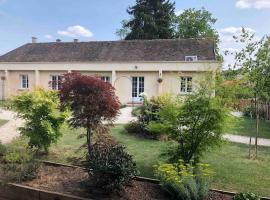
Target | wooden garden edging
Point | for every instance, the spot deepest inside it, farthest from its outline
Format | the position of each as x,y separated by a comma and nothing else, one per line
20,192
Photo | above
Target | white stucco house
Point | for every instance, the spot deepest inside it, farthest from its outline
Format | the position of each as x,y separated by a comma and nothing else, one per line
132,67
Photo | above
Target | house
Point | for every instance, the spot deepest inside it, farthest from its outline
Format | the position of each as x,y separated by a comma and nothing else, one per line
132,67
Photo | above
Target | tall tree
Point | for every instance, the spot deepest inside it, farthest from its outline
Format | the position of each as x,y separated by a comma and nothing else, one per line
254,60
150,19
194,23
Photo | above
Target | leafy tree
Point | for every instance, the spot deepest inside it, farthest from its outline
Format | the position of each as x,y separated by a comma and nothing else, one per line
39,109
91,101
150,19
254,60
196,126
231,88
194,23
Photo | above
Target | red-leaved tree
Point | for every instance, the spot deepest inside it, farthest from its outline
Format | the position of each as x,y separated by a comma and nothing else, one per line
91,101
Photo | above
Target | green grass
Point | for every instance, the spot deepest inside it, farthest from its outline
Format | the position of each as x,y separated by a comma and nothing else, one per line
247,127
233,170
2,122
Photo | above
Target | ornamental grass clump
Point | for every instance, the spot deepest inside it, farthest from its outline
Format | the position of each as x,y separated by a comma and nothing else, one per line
184,182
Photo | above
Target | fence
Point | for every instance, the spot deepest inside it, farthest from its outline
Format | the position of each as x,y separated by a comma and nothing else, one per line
263,107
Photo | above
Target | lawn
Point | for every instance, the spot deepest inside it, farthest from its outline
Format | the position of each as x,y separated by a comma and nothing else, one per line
233,170
247,127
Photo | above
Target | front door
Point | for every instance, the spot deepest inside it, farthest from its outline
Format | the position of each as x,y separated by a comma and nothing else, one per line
137,88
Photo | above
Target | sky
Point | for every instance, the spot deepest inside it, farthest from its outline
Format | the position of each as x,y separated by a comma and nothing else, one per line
90,20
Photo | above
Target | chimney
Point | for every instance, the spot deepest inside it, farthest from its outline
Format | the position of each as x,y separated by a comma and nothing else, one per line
58,40
75,40
34,40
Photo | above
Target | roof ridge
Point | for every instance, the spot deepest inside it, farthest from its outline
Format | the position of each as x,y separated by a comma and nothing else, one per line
125,41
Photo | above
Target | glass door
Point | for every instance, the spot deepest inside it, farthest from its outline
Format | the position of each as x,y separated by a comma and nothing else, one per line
137,88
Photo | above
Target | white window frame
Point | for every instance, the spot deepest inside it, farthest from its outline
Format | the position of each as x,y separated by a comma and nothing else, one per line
187,88
24,81
58,77
193,58
106,79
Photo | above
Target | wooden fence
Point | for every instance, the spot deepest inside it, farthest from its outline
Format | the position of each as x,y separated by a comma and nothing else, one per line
264,107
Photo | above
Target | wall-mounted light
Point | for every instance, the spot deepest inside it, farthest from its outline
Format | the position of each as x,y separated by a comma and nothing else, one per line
136,67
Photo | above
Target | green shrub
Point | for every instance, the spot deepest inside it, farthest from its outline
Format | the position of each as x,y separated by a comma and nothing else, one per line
246,196
18,163
196,125
2,150
184,182
136,111
43,120
110,166
148,112
137,128
249,111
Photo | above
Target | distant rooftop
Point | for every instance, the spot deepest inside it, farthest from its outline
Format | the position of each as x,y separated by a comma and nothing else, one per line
113,51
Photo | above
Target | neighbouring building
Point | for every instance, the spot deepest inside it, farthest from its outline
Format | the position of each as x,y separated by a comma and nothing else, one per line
132,67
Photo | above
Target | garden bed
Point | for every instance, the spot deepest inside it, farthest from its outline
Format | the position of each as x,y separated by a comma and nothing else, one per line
60,182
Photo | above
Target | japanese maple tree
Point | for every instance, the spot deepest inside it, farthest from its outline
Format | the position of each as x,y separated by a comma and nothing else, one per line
91,101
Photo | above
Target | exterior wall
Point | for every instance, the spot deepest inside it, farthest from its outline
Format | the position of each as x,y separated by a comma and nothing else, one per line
171,81
45,78
120,74
14,83
123,84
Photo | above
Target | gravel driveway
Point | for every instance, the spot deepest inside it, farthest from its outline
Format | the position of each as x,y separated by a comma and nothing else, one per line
9,130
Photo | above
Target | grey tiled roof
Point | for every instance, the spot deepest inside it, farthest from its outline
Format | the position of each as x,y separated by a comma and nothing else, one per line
109,51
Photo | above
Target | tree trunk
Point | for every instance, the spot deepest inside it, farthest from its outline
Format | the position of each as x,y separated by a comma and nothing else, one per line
88,135
257,127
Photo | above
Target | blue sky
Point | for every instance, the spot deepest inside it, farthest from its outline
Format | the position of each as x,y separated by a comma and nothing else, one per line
98,19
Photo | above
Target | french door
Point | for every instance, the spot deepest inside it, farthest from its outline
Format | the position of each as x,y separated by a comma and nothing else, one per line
137,88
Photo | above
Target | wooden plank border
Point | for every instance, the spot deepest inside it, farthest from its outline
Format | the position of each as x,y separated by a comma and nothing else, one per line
12,191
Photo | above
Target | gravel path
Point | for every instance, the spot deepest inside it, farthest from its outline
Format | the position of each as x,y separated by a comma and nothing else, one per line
9,130
125,116
245,140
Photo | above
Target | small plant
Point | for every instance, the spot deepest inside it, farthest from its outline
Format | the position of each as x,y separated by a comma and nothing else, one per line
91,102
18,163
43,120
2,150
246,196
111,167
136,111
184,182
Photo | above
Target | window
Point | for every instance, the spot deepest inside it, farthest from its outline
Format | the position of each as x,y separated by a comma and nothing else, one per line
24,81
54,83
106,79
191,58
186,84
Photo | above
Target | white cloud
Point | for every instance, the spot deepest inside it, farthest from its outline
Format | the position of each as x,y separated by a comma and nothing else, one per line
234,30
258,4
76,31
228,43
48,36
179,12
230,49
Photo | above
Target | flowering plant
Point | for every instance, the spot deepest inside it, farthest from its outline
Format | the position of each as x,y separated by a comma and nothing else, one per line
184,182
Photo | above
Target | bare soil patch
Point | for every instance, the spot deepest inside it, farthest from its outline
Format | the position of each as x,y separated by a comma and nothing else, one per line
73,181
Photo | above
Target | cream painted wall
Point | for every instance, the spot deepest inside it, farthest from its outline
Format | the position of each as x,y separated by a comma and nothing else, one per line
171,81
13,84
39,74
45,77
123,84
